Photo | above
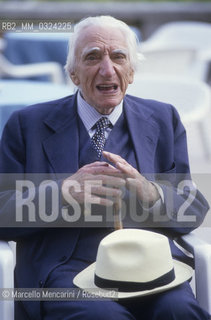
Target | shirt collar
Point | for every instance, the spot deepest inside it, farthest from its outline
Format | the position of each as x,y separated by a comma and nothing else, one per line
89,115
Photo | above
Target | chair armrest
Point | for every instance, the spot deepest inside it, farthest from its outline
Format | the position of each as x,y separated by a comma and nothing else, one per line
201,251
6,280
51,69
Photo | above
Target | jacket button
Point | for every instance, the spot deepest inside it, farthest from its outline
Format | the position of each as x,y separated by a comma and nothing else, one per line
62,259
40,283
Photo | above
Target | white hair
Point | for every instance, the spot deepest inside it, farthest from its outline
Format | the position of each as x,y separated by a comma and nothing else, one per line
103,21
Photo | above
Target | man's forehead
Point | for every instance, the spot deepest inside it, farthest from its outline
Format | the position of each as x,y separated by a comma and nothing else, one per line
110,32
102,37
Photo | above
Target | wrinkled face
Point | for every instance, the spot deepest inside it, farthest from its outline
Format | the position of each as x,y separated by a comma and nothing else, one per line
103,70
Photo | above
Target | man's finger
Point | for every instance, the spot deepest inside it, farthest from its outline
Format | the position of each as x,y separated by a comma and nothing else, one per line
114,158
103,170
121,164
127,169
97,163
107,192
107,180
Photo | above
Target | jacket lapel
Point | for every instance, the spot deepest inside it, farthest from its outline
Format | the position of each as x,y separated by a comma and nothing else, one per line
62,145
144,133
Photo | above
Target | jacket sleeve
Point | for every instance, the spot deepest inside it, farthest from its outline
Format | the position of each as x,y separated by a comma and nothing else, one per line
15,224
184,207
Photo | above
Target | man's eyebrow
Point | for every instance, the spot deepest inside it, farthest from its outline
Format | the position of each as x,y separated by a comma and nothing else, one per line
86,51
120,51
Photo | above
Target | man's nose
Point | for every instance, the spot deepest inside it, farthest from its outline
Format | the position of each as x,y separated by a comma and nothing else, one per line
106,67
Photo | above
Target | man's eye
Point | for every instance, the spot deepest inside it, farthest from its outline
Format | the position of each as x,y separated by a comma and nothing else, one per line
119,57
92,57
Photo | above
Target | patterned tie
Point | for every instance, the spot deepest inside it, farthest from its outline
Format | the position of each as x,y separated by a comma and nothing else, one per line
98,139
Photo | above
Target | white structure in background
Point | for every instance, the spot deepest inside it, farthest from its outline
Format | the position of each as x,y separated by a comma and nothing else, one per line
191,97
179,47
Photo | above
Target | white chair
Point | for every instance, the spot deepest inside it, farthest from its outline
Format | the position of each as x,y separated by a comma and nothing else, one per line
176,61
51,69
6,280
177,42
201,251
191,97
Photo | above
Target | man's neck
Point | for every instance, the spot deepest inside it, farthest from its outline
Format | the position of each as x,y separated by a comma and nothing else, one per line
90,115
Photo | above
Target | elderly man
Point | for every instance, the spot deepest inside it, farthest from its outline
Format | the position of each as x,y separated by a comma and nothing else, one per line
68,137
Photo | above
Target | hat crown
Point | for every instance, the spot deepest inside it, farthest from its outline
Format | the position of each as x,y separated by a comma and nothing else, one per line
133,255
136,263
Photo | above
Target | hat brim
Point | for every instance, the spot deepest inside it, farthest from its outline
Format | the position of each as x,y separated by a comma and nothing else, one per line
85,281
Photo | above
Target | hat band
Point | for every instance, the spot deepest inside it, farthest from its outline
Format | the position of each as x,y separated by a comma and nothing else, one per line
127,286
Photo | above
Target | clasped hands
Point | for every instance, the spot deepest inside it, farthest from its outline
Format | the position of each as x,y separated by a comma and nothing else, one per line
107,182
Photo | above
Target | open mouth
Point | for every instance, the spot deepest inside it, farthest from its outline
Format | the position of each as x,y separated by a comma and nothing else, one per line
107,87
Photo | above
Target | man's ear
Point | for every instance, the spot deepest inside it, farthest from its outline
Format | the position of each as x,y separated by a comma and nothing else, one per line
74,78
131,76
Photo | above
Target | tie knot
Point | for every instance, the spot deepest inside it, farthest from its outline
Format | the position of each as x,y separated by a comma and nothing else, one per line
103,123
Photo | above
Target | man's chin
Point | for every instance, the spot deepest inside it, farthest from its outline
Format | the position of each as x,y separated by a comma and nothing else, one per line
109,102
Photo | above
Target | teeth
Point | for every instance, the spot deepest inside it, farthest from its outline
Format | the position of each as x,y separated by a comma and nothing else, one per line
107,86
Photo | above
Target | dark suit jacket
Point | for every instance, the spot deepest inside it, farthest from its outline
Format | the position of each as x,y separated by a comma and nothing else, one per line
44,139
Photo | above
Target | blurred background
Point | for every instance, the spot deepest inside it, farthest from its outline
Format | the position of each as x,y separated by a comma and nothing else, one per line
175,65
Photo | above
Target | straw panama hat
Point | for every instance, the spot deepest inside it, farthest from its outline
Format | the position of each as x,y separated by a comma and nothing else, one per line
136,263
